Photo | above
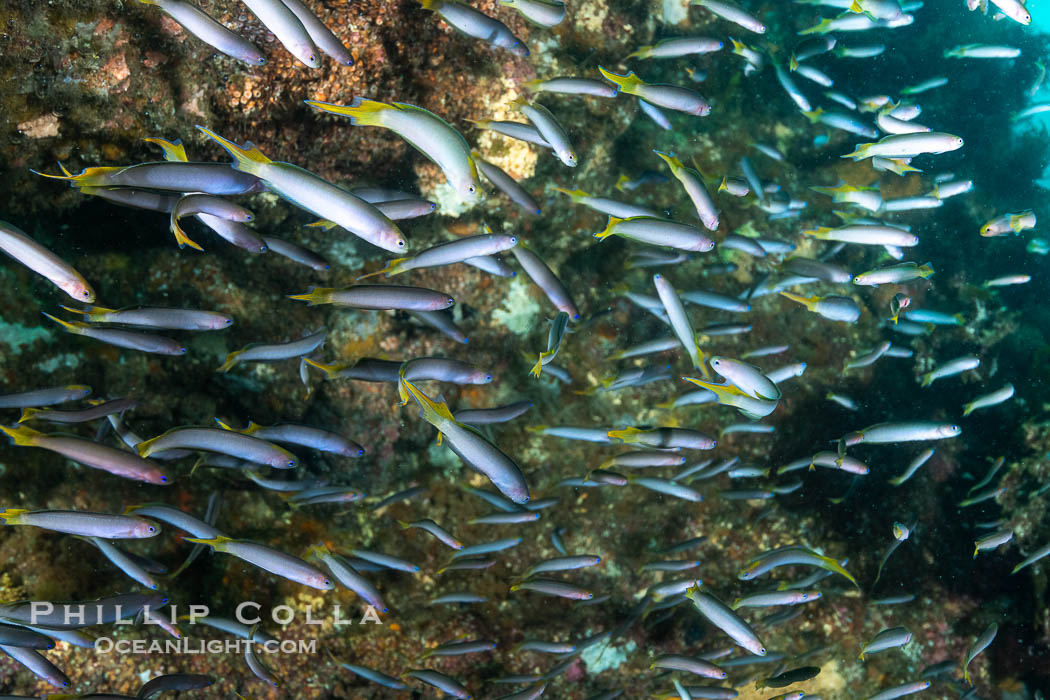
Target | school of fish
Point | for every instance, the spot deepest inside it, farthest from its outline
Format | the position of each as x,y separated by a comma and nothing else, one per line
677,460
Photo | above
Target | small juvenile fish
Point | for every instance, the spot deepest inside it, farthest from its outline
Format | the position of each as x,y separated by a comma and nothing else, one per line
680,323
1007,281
672,97
257,352
132,340
667,438
866,234
1032,558
201,25
477,24
23,249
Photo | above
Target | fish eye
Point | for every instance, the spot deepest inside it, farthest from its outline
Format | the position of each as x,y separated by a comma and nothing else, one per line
472,189
150,528
229,321
86,294
182,351
163,479
261,61
327,582
291,463
513,239
400,243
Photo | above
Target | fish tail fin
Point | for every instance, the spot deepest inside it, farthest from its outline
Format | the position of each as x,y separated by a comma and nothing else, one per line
818,232
88,177
432,5
361,110
213,542
643,52
21,435
72,326
226,426
433,411
625,435
926,271
627,83
575,195
538,367
724,185
793,65
602,235
531,85
860,153
27,414
855,7
536,429
9,516
230,361
313,295
621,181
180,236
174,151
927,379
247,158
393,267
821,27
90,312
329,370
805,301
832,565
322,223
813,115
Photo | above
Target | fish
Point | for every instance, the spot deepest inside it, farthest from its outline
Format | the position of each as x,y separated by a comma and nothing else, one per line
91,454
907,146
449,253
732,13
722,616
677,47
148,317
288,28
681,324
983,641
672,97
571,86
891,638
477,25
469,445
265,352
132,340
544,278
268,559
951,368
314,194
45,397
693,184
377,297
83,523
994,398
19,246
659,232
554,339
225,442
982,51
832,307
549,128
201,25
